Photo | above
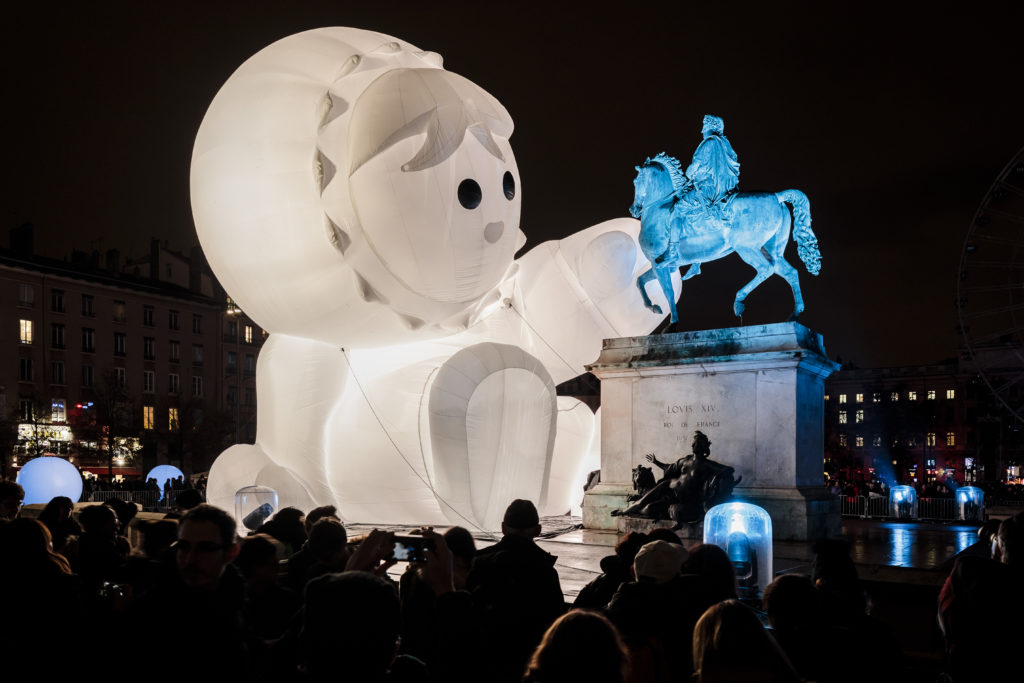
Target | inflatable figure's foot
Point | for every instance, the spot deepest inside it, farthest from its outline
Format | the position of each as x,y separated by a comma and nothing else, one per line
738,308
248,465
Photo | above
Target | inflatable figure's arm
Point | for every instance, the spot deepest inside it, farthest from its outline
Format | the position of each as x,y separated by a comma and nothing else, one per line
577,291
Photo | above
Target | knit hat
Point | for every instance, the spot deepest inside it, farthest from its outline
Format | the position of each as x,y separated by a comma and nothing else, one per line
521,514
659,561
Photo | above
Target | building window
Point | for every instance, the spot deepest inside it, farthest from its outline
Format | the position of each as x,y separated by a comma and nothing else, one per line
859,441
842,440
912,442
25,331
58,410
120,376
26,295
119,343
174,351
87,376
911,395
197,354
930,463
57,372
148,380
876,440
894,396
25,369
931,394
826,398
147,417
88,339
231,396
842,398
859,417
197,323
57,300
232,361
247,334
929,439
859,398
172,419
120,311
197,386
149,348
232,330
876,397
57,336
950,393
950,439
25,411
842,417
172,383
147,316
250,363
172,320
87,306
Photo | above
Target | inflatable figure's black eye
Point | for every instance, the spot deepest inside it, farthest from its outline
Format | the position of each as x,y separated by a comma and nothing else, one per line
508,183
470,194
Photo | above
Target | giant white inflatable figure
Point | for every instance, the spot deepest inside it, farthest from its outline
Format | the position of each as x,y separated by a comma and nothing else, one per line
362,204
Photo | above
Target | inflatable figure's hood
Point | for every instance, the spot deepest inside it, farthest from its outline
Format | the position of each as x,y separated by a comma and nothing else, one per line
346,188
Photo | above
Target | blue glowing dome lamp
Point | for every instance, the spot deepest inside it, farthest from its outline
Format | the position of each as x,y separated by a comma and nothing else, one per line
903,502
164,472
46,477
254,505
744,531
970,504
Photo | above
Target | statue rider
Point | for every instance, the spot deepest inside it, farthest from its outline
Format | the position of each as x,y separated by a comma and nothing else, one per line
715,169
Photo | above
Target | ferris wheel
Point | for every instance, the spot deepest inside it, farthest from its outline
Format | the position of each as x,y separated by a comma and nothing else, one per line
990,288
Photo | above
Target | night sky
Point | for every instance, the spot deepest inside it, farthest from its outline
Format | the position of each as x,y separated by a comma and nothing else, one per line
893,120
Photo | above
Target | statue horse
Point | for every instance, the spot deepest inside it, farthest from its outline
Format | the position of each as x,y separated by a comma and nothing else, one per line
675,231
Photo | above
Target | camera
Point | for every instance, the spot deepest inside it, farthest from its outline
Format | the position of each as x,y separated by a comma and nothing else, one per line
412,548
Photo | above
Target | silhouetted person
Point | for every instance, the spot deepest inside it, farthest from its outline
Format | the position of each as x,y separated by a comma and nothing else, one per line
615,570
12,495
516,592
792,606
729,644
579,646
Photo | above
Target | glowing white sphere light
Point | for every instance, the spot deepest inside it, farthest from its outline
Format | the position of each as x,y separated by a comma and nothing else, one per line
47,477
164,472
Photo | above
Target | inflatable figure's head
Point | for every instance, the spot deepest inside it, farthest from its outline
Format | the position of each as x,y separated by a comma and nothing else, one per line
346,188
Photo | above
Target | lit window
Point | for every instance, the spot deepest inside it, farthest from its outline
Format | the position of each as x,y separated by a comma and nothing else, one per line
876,397
842,398
930,462
172,383
950,439
894,396
57,300
842,440
58,410
147,316
911,395
876,440
248,334
826,397
172,419
859,398
950,393
148,381
25,369
859,441
197,386
842,417
931,394
119,343
57,372
929,439
26,295
120,377
147,417
859,417
25,331
120,311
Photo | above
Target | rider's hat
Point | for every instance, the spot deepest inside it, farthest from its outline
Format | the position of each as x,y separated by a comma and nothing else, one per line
713,124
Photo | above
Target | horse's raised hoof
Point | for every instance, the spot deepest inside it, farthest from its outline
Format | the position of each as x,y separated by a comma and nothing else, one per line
738,308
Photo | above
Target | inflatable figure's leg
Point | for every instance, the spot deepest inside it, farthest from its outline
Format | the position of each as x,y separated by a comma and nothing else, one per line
297,384
492,415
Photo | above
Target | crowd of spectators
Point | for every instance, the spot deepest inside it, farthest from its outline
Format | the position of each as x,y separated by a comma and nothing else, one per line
299,600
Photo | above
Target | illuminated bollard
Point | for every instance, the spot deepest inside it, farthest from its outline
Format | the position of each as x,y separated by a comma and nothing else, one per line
903,502
46,477
254,505
970,504
744,531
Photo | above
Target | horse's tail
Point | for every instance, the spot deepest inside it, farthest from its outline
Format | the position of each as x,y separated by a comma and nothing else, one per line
806,242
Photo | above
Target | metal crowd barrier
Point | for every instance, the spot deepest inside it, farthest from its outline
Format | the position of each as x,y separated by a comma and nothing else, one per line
147,499
877,507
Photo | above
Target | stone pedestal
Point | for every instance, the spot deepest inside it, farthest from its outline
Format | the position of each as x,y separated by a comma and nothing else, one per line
757,392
